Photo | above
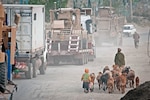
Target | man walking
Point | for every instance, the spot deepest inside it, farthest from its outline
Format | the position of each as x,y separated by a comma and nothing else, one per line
119,58
136,38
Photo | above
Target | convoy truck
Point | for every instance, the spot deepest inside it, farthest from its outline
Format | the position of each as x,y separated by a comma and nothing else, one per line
30,56
69,42
88,24
109,26
7,54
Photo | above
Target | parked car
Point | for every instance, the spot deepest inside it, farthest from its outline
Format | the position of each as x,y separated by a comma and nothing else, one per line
129,30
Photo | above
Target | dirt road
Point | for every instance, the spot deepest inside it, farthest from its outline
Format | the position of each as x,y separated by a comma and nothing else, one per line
63,82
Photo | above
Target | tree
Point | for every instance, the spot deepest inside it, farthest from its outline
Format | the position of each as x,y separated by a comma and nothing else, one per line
49,4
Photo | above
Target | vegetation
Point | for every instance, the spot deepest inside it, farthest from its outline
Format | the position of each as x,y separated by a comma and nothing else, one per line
119,5
49,4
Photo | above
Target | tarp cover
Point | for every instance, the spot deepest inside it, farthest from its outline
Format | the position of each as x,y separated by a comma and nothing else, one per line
58,24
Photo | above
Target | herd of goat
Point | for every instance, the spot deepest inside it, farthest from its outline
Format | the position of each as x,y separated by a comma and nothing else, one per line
115,79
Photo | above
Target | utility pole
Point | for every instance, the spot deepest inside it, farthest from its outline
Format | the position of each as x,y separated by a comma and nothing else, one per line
110,2
55,5
131,12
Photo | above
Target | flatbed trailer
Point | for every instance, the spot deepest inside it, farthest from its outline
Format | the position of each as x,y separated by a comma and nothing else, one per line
68,55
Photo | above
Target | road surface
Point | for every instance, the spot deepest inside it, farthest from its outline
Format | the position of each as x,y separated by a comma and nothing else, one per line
64,82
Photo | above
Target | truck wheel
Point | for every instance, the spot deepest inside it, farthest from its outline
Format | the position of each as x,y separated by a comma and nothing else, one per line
29,73
86,58
3,74
56,61
34,68
42,67
82,61
76,61
91,58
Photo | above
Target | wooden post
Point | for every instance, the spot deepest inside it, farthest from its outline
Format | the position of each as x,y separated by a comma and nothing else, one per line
13,44
2,14
1,25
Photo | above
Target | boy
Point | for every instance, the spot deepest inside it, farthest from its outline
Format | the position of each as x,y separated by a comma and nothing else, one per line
86,80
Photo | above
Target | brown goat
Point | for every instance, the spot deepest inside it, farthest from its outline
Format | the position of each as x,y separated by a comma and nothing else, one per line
130,78
123,81
137,81
110,85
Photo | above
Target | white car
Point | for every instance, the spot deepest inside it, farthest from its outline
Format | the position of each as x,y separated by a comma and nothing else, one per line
129,30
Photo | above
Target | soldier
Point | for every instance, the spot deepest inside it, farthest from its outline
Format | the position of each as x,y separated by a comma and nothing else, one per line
136,38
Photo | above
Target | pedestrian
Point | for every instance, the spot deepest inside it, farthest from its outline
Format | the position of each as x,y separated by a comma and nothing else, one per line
119,59
86,80
136,38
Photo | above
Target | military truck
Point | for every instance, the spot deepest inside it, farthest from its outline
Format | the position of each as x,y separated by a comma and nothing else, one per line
109,26
69,41
30,57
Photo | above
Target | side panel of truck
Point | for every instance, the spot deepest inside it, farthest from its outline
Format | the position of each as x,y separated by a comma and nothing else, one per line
30,37
38,25
30,34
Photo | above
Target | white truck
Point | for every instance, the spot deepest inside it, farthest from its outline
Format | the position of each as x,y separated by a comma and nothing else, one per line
30,38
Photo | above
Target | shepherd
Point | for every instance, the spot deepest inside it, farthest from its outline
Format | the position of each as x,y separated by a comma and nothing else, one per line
119,59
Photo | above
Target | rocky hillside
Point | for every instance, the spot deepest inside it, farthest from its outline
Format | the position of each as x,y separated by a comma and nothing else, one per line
140,93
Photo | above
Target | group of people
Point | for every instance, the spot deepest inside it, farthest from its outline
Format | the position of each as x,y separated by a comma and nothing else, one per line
88,79
119,60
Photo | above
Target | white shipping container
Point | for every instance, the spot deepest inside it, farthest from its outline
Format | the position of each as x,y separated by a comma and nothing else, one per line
31,28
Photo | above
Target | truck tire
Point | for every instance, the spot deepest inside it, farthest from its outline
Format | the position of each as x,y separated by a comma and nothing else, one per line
42,68
76,61
56,61
29,73
91,58
86,58
82,60
3,74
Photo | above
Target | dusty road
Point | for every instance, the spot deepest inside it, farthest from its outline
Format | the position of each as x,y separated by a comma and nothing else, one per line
63,82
